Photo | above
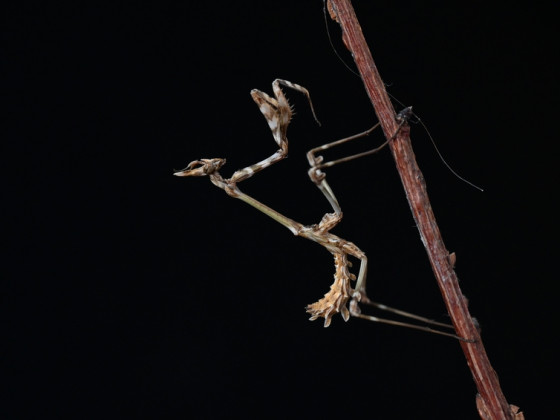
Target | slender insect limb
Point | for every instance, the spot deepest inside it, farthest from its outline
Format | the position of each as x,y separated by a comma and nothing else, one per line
360,296
317,162
292,225
400,312
357,313
318,176
278,113
402,117
406,324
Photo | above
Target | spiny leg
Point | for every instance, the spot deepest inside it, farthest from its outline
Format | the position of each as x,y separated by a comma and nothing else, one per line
278,113
280,94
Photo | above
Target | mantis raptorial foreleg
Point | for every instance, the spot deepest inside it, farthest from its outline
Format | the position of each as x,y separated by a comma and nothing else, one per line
278,113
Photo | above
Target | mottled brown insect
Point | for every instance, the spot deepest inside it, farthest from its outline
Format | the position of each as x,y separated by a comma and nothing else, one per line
278,113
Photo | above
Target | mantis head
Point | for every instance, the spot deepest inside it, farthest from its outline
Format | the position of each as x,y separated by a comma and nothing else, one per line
201,167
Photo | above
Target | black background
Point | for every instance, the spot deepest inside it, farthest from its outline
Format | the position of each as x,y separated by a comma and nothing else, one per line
131,293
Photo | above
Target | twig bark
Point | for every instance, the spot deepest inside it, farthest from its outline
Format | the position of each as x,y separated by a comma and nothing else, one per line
491,402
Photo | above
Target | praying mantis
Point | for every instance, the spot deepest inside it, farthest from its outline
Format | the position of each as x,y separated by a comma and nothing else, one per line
342,297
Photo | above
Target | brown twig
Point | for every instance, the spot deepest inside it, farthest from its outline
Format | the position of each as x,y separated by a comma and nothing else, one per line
491,402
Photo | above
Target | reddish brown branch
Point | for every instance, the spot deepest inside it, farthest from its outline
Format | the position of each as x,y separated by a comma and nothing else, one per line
491,402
